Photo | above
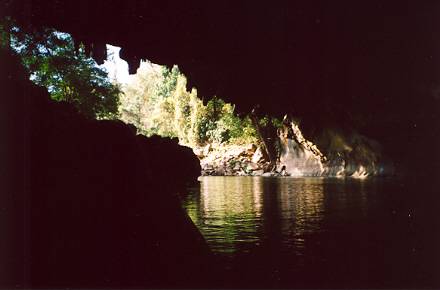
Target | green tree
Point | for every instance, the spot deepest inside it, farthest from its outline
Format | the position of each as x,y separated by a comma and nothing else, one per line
140,98
220,124
68,73
208,125
169,83
158,102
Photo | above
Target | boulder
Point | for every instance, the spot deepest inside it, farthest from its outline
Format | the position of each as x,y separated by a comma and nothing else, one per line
206,150
180,159
257,156
250,149
199,152
270,174
252,166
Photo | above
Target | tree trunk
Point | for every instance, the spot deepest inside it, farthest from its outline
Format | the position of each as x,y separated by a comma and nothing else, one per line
265,143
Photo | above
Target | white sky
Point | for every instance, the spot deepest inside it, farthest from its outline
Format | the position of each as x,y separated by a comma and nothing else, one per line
117,68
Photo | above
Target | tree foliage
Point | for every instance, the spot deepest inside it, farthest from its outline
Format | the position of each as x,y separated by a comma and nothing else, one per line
157,102
68,73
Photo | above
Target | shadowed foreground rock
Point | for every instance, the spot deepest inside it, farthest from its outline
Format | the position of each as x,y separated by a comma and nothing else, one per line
87,204
171,161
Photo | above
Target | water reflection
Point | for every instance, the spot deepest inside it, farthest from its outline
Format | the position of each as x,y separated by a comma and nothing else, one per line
241,212
230,210
231,197
309,232
301,209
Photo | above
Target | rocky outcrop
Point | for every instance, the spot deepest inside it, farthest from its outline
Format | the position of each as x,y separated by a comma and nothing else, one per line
171,161
231,160
88,204
331,153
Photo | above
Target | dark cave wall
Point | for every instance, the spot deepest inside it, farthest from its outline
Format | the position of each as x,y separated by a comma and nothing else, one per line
247,51
86,203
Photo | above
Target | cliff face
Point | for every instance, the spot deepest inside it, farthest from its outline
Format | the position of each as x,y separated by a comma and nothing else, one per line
332,153
329,153
86,203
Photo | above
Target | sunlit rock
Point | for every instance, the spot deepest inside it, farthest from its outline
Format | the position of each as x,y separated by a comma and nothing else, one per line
331,153
223,159
258,155
337,155
360,173
299,161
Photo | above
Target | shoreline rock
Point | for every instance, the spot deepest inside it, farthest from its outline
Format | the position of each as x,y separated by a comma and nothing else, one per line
346,156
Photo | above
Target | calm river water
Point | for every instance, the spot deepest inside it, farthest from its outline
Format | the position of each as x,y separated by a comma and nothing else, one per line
317,232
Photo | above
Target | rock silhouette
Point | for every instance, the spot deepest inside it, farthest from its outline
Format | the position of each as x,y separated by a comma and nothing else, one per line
87,203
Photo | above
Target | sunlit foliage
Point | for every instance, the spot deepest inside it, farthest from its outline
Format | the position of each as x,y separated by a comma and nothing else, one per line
67,73
157,101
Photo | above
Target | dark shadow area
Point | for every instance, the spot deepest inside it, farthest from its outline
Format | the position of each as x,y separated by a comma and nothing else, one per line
87,203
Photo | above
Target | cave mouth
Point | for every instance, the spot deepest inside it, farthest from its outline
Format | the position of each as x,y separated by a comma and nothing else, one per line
276,232
156,100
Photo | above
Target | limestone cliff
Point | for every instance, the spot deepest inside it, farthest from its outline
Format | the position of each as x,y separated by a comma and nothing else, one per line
331,153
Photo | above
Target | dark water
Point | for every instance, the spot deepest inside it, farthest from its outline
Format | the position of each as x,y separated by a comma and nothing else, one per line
318,232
